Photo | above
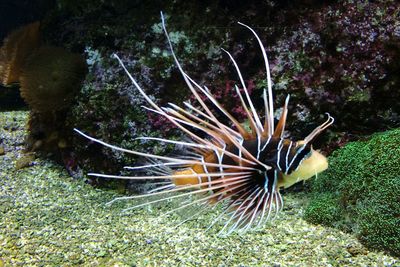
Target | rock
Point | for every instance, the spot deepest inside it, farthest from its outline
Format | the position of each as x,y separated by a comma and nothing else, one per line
24,161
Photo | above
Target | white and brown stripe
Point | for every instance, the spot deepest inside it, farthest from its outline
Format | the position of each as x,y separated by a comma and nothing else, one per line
231,166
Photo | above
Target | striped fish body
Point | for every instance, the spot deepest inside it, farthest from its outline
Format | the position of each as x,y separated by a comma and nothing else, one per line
290,161
241,169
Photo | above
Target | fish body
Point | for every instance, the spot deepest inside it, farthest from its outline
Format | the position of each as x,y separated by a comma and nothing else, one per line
283,155
239,168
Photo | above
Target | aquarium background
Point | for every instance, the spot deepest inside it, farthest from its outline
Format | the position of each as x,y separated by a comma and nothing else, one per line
340,57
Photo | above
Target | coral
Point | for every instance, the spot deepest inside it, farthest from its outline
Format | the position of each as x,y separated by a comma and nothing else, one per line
330,56
379,226
341,58
109,106
316,50
17,47
107,102
50,78
362,187
323,209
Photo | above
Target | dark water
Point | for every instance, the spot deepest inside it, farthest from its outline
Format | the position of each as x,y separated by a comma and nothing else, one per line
15,13
10,99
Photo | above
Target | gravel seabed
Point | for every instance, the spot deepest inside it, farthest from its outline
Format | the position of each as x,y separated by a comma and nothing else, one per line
50,219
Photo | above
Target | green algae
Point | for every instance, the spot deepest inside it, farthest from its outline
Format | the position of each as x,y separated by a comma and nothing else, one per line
359,192
50,219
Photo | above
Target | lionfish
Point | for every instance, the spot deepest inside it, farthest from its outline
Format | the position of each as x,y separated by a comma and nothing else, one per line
241,169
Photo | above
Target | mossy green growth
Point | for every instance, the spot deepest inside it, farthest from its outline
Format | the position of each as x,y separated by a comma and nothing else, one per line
324,209
360,192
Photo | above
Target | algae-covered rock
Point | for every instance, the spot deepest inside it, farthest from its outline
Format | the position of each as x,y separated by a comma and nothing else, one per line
316,51
360,192
342,57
